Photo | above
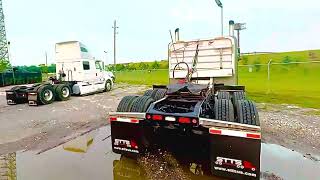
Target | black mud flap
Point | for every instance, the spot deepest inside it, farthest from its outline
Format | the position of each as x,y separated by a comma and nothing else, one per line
127,138
16,97
235,157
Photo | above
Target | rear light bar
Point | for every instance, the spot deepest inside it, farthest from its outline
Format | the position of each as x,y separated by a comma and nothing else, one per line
182,120
127,120
227,132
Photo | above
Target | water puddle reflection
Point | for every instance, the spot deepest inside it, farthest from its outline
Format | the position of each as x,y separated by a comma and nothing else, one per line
90,157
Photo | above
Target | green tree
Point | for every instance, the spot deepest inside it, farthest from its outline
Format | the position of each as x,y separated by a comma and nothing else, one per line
155,65
52,68
33,68
4,64
43,68
120,67
143,66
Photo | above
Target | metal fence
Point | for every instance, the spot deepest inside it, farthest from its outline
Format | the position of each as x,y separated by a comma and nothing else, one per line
8,78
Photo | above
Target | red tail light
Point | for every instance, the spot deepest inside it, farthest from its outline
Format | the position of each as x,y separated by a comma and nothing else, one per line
184,120
253,136
113,118
157,117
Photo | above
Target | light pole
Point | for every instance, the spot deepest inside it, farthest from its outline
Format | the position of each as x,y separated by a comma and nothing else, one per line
221,6
238,27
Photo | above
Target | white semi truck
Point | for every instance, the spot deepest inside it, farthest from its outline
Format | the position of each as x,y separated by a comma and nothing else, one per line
77,73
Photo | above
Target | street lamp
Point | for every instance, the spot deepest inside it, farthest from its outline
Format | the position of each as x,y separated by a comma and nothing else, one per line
221,6
238,27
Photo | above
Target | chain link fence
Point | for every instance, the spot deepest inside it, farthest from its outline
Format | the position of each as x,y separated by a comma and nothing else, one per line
292,82
293,77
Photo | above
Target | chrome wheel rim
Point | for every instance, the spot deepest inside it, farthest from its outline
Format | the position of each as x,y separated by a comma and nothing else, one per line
48,95
65,92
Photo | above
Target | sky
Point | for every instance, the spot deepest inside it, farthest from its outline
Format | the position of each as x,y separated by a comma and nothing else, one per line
34,26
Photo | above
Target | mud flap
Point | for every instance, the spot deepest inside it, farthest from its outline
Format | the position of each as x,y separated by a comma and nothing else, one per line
16,97
127,138
235,157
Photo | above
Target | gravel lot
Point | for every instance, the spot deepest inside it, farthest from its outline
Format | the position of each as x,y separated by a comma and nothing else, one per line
292,127
27,127
43,127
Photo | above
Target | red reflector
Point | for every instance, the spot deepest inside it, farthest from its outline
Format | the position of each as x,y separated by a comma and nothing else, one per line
254,136
194,121
148,116
184,120
157,117
134,120
215,131
113,118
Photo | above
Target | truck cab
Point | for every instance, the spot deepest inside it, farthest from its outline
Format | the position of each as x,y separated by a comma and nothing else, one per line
74,63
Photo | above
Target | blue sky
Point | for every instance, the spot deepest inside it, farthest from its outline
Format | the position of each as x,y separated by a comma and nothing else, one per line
34,26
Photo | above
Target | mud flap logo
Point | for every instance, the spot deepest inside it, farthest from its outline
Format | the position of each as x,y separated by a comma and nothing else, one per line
235,166
126,145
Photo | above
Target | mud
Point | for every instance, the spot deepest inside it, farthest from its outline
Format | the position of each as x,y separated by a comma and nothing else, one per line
90,157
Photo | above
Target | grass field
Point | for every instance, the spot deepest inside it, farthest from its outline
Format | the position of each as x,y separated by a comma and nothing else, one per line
297,84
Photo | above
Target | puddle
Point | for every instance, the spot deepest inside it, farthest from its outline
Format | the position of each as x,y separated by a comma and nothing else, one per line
90,157
288,164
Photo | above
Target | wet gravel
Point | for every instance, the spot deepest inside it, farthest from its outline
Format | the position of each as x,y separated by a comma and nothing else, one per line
290,126
162,165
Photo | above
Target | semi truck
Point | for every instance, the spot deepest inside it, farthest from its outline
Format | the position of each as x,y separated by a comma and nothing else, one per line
202,115
77,73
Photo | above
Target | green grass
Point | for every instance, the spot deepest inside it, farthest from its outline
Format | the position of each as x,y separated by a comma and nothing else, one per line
145,77
289,84
309,55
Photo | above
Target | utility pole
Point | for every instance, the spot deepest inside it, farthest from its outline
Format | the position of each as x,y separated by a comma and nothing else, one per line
115,27
46,58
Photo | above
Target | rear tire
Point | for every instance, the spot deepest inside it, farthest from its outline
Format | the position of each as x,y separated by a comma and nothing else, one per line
126,103
247,112
141,104
238,95
46,94
63,92
223,95
160,93
151,92
224,110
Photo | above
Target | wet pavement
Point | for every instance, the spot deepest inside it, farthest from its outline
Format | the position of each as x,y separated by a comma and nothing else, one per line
90,157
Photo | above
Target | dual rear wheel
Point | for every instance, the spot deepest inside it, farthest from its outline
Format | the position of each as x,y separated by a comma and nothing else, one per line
235,108
48,93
